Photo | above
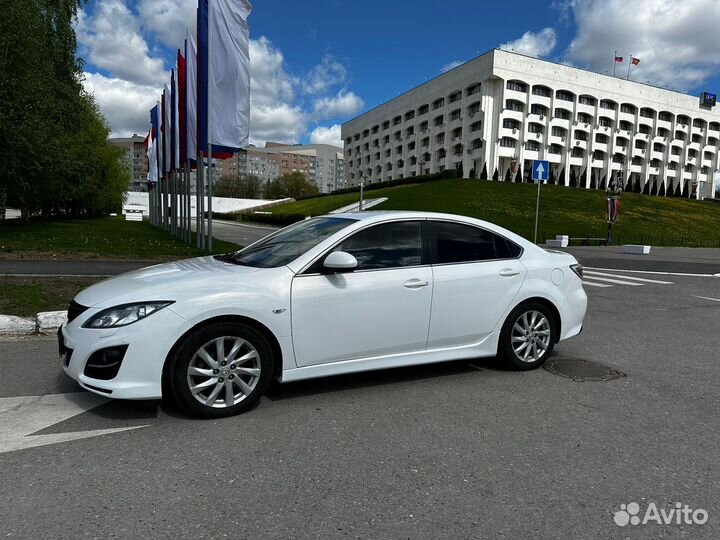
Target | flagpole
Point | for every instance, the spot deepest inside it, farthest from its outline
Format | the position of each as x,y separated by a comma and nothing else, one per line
614,63
209,39
629,64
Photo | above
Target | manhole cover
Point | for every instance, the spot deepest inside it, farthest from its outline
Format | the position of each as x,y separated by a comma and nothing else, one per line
581,370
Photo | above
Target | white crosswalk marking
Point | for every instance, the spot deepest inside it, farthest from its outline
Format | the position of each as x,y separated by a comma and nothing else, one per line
595,284
590,274
616,281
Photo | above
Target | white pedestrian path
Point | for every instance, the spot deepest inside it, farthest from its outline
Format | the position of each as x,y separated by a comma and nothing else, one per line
593,278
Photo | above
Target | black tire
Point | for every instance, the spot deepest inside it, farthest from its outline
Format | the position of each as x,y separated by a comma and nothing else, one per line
506,347
179,379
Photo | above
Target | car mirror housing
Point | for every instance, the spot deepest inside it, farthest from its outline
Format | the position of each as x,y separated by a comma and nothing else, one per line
340,261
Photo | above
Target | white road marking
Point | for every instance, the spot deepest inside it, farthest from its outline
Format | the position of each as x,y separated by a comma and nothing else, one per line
649,272
707,298
595,284
592,274
20,417
616,281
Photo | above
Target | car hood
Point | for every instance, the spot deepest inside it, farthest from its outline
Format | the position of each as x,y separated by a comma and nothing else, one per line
169,281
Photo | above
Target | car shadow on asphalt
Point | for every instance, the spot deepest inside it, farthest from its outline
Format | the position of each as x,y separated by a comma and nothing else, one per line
400,375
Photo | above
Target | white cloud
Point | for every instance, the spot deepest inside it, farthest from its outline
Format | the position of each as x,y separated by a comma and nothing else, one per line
344,104
327,135
451,65
328,73
112,41
533,43
125,105
168,19
281,122
676,42
270,83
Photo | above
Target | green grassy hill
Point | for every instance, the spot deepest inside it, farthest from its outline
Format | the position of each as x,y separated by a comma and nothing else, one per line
563,210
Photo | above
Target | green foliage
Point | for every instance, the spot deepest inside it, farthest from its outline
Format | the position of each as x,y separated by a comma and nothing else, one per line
449,173
237,188
53,139
293,185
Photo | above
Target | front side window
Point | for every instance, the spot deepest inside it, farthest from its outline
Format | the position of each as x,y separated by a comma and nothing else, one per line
288,244
390,245
456,243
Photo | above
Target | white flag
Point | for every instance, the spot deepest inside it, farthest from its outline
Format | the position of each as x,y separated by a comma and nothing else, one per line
152,161
176,119
159,139
229,72
191,118
167,128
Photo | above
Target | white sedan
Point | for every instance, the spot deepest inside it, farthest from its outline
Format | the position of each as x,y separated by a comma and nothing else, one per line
329,295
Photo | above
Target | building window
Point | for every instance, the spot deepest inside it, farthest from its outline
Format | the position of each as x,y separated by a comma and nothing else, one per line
562,114
637,161
577,152
625,125
587,100
584,118
423,109
454,97
618,158
386,139
510,123
540,90
455,115
411,146
535,128
438,121
410,131
375,129
627,108
514,105
580,136
424,126
555,149
409,115
538,109
558,131
474,89
476,126
533,146
387,153
440,138
507,142
517,86
438,103
607,104
441,154
386,124
477,143
425,142
605,122
457,133
564,95
602,139
397,120
398,149
474,108
647,113
665,116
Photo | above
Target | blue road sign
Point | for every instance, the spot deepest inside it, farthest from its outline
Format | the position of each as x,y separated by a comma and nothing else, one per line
540,170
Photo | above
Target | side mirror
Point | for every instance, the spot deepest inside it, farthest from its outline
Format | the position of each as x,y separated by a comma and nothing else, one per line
340,261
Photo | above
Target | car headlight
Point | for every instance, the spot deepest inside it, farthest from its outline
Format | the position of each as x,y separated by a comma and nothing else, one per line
123,315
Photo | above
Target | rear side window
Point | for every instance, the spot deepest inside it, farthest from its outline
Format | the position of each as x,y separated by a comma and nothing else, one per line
456,243
390,245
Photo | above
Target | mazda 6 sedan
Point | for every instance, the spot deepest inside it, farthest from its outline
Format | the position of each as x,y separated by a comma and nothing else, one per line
329,295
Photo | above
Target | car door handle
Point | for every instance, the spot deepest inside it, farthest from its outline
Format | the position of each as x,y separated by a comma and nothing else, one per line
415,283
509,272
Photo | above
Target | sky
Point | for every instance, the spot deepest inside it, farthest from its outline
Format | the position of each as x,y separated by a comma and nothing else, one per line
316,64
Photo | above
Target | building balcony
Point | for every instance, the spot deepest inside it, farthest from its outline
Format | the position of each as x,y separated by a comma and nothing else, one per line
562,104
560,122
621,150
645,121
677,142
587,109
606,113
706,163
659,139
697,131
538,118
709,148
642,137
582,126
513,133
687,175
553,158
515,115
577,160
691,160
616,166
531,154
603,129
540,100
694,146
665,124
657,155
713,133
639,152
603,147
626,117
673,158
653,170
670,173
507,151
681,127
530,136
514,94
622,133
635,168
598,164
580,144
557,140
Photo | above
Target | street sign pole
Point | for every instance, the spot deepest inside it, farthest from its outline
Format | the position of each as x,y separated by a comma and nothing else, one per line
537,211
540,174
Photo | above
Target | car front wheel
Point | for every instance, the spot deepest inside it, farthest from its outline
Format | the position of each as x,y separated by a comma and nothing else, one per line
528,336
221,370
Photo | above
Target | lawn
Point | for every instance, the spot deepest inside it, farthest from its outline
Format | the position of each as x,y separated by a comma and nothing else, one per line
95,238
26,296
563,210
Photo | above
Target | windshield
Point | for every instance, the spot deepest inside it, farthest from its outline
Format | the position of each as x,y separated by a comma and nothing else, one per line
288,244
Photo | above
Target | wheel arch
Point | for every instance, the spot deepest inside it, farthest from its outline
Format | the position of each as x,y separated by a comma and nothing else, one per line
550,306
249,321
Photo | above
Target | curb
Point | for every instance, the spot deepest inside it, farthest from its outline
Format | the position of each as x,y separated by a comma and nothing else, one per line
43,323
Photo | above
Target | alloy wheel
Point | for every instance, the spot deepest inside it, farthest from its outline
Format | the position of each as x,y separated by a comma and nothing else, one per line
531,336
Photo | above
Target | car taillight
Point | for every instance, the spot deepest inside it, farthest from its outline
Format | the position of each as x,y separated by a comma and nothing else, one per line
577,268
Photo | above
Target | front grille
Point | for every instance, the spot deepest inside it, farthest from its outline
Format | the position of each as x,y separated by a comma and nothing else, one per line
74,310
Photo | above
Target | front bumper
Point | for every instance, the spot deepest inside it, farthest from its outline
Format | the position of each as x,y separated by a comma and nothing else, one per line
147,344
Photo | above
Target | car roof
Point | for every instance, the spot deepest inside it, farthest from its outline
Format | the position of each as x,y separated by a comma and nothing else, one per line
378,215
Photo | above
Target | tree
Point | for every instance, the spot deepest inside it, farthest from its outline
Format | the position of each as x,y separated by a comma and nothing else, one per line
472,173
484,173
293,185
496,176
238,188
661,191
460,171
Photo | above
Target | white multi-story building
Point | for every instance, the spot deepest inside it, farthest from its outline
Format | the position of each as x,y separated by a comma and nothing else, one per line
499,111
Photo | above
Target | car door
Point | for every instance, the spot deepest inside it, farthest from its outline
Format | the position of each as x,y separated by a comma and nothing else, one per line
383,307
476,276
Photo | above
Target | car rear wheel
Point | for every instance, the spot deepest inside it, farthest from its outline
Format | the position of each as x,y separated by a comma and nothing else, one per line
221,370
528,336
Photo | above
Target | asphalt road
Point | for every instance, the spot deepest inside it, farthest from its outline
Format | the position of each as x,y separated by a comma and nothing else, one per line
455,450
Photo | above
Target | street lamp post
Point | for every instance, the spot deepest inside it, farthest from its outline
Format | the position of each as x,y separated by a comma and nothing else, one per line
362,185
613,191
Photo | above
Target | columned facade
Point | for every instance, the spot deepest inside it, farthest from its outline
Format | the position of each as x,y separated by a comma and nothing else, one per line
498,112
